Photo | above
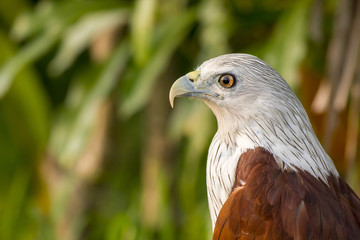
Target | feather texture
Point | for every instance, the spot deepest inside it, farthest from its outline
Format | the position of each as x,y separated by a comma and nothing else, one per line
284,204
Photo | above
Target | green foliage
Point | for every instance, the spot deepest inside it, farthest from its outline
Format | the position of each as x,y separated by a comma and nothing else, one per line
89,146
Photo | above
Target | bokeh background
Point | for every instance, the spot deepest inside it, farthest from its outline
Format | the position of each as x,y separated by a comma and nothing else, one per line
89,146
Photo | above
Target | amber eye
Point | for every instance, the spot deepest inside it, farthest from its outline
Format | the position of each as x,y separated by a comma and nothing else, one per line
227,80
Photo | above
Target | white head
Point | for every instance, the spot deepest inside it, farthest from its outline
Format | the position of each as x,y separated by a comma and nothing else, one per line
250,97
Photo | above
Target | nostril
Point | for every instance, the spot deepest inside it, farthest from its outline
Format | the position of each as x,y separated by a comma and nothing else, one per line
193,76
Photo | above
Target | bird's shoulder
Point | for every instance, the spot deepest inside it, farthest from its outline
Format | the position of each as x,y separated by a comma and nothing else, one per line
268,202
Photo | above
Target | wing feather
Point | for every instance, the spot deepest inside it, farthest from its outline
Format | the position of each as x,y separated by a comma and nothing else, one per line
282,204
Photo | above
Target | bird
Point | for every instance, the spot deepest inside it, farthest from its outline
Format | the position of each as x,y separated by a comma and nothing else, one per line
267,175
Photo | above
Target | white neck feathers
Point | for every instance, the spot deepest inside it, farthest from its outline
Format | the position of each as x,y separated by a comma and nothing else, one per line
289,138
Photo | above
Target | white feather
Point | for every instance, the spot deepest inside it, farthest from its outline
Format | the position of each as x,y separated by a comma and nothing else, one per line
260,111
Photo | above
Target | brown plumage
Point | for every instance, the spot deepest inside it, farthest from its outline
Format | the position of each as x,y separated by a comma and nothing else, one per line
277,204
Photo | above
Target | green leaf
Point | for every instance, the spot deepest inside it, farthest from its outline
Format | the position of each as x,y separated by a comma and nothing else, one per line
78,36
13,204
49,14
143,19
169,36
26,55
73,127
287,46
30,116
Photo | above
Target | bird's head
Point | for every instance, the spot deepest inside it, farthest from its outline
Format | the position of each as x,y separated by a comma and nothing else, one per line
255,107
237,87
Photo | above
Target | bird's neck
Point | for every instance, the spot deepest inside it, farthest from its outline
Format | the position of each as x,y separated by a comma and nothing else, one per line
290,139
288,135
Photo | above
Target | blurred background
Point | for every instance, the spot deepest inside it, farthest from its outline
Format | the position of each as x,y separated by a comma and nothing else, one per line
89,146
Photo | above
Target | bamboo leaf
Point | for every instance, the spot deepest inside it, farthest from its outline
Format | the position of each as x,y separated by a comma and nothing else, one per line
79,36
142,27
26,55
71,132
48,14
13,204
287,46
171,34
27,94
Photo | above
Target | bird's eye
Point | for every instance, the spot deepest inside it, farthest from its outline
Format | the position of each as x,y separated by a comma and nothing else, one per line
227,80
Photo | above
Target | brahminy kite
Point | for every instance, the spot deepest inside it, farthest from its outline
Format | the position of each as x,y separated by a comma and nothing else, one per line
267,175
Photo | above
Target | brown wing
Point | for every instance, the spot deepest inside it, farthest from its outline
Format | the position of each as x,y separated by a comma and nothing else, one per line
277,204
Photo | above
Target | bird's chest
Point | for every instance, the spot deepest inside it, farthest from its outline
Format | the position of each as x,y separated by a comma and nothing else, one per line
220,174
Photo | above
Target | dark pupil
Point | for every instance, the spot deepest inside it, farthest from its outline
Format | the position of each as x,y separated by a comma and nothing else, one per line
226,80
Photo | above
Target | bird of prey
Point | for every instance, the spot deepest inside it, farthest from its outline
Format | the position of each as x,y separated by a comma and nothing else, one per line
267,175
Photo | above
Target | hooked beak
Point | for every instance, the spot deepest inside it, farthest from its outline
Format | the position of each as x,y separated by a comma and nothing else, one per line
184,87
